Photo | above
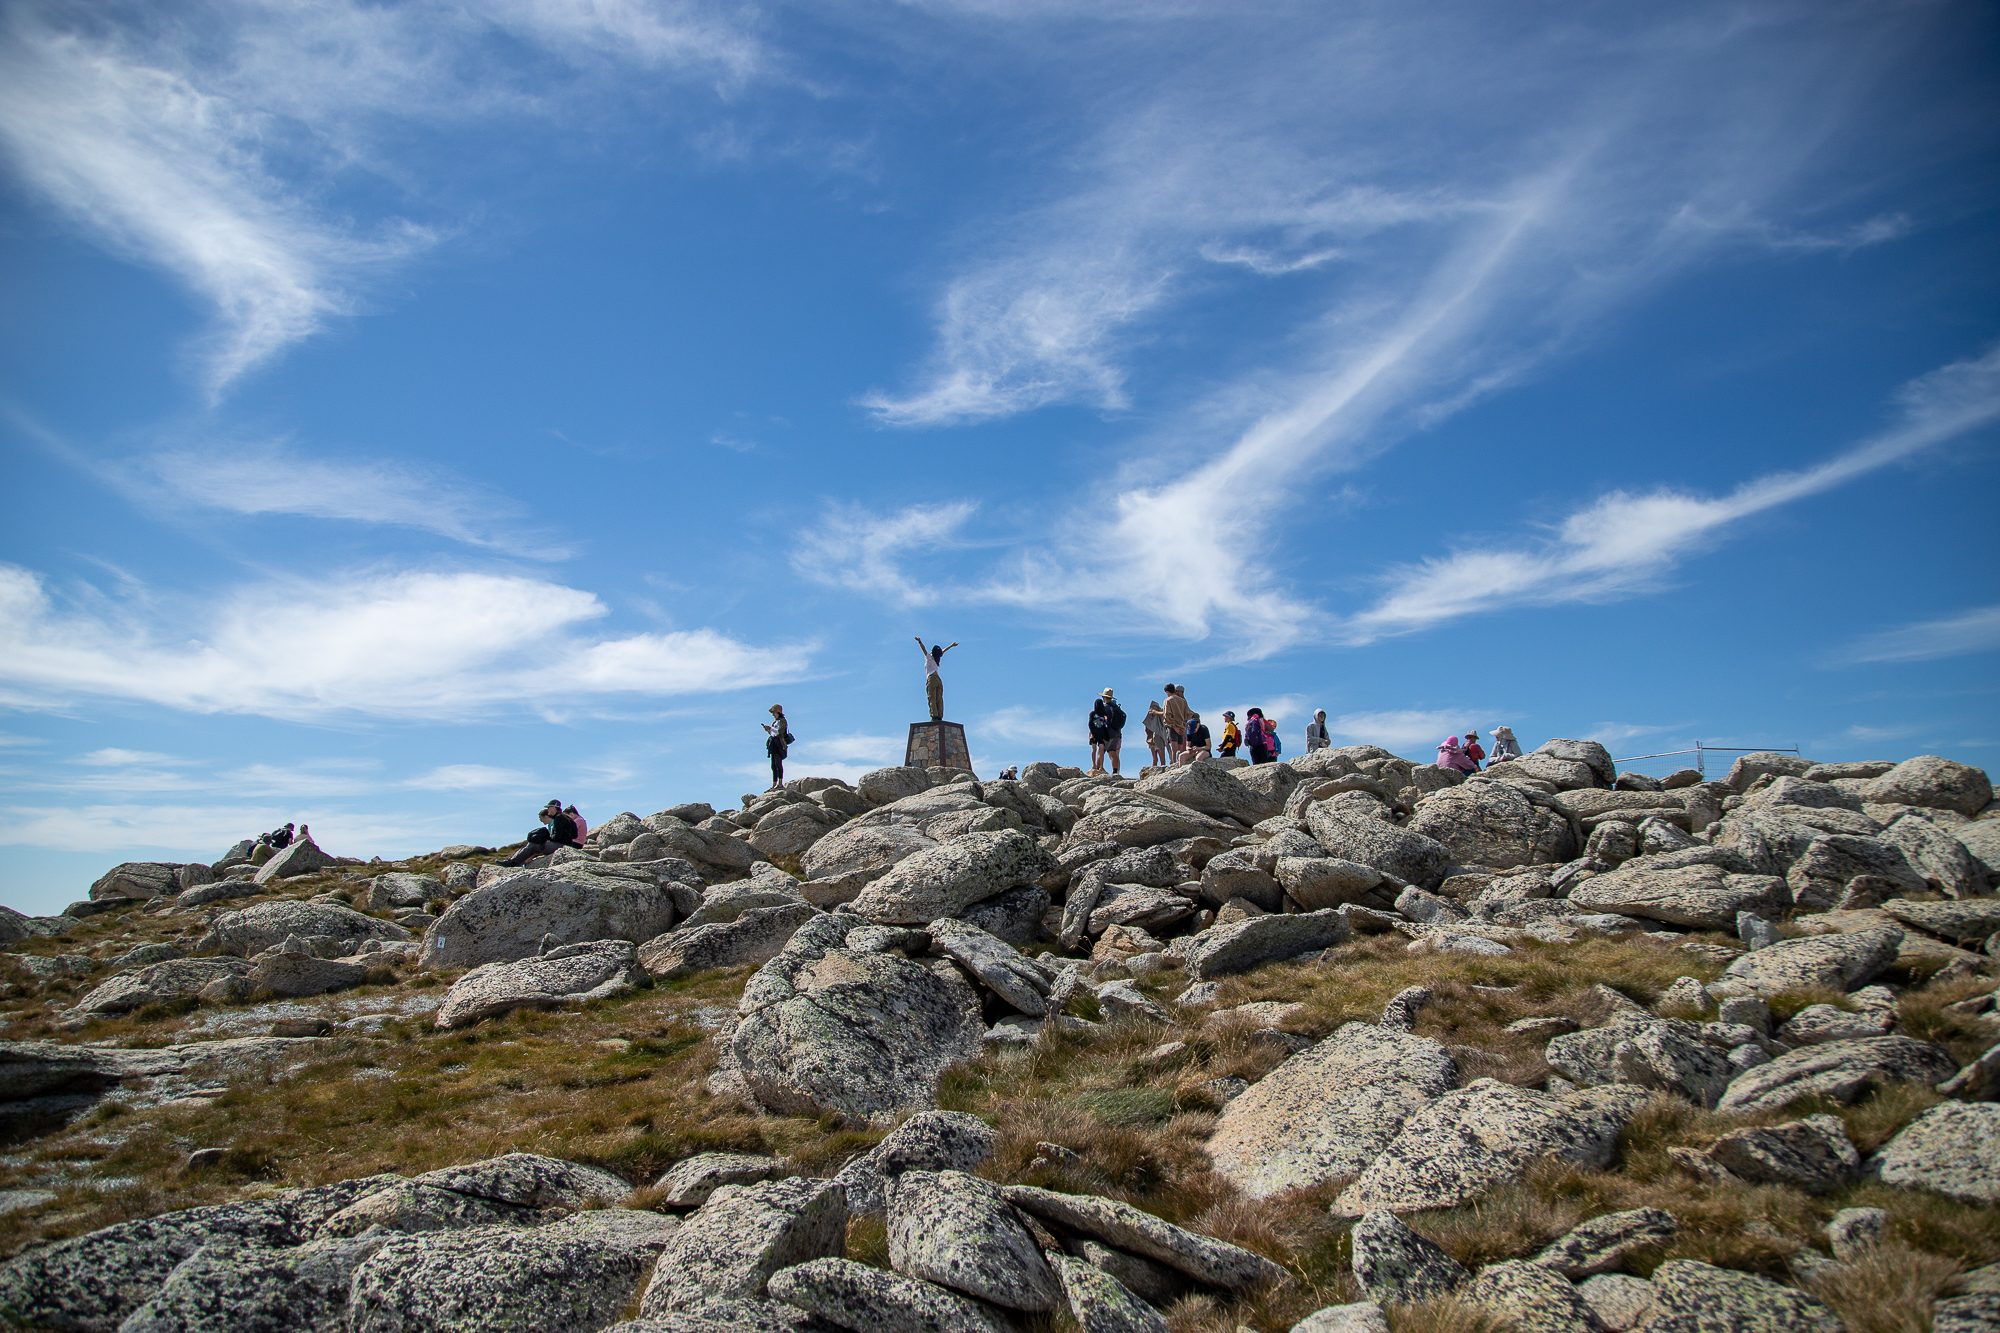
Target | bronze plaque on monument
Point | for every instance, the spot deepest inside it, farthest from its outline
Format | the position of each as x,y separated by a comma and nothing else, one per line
938,745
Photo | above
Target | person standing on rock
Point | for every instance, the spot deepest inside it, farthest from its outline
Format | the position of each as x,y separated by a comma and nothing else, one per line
1107,731
778,736
1316,732
1156,733
933,682
1256,736
1177,720
1231,737
557,830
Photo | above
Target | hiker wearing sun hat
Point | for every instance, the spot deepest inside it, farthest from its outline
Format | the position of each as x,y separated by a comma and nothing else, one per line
1472,750
1107,728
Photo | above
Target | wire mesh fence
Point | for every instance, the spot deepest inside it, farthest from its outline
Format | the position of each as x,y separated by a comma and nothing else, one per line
1702,751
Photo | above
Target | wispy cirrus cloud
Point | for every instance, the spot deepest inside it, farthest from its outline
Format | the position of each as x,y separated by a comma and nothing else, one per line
1974,631
413,644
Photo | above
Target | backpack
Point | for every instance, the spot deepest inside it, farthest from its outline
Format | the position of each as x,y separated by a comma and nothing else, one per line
1117,718
1277,746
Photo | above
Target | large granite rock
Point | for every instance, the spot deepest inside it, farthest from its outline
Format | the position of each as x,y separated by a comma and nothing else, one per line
999,966
726,902
750,940
137,879
1205,1259
301,858
1941,859
1832,861
927,1141
1693,1297
1838,962
296,973
1213,790
1813,1154
1135,819
863,1034
1223,950
1494,824
1981,837
1534,1299
1316,882
1701,897
1602,1243
946,880
1953,1149
690,1182
251,930
572,974
1964,920
1329,1111
732,1244
509,918
1486,1134
1934,782
229,1288
1394,1264
1099,1302
158,983
1838,1070
870,1300
955,1230
572,1276
1409,856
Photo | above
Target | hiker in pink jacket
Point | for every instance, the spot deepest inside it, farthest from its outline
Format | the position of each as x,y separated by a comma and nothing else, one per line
1452,755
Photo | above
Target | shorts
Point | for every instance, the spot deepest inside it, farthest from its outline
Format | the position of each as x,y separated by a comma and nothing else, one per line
1113,741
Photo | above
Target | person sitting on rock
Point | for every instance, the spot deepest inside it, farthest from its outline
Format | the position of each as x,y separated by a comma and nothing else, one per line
1472,750
1197,746
558,830
1505,747
1316,732
577,819
280,838
1452,755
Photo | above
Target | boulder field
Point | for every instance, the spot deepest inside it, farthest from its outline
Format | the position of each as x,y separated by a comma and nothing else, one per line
872,942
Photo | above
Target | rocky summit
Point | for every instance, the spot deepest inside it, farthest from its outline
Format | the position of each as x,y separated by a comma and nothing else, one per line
1340,1043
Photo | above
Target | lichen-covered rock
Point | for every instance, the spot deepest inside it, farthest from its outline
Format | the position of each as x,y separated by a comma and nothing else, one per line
955,1230
1494,824
1100,1303
1394,1264
732,1244
1963,920
1533,1298
1619,1302
1211,790
250,1289
690,1181
1360,1317
1410,857
750,940
1328,1111
301,858
1839,1070
1953,1149
1813,1154
1014,917
1694,1297
158,983
872,1300
927,1141
1701,897
571,974
865,1035
946,880
137,879
1934,782
1672,1056
410,1206
1838,961
508,919
1224,950
1487,1134
1941,859
1203,1258
572,1276
297,973
1318,882
1601,1244
251,930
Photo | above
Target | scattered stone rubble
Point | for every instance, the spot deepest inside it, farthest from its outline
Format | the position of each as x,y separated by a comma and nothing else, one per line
912,920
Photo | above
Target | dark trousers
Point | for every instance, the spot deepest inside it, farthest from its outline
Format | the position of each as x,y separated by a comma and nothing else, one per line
777,769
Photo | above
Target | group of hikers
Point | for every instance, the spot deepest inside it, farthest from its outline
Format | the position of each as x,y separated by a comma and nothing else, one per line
270,844
1175,733
1467,755
561,826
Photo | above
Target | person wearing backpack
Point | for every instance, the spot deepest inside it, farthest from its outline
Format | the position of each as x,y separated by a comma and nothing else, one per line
1231,737
777,744
1107,731
1256,736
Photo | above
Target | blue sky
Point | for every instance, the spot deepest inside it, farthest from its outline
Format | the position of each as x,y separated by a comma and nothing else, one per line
416,411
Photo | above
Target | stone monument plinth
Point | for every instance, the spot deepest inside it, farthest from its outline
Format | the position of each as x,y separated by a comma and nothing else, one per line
938,745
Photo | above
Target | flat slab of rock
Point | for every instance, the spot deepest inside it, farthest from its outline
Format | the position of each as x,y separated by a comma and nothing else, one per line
751,939
945,880
1486,1134
1210,790
241,1287
1620,1302
571,974
48,1068
303,857
299,974
1360,1317
1328,1111
927,1141
733,1243
1701,897
1813,1154
1694,1297
572,1276
1841,962
1962,919
955,1230
1840,1070
872,1300
1100,1303
1205,1259
508,919
999,966
158,983
1601,1244
1953,1149
1225,950
1394,1263
1410,857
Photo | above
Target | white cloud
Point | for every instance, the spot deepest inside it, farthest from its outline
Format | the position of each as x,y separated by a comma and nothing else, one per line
274,479
439,645
1616,735
112,757
472,777
205,832
853,548
1858,732
1974,631
1624,543
1035,726
1413,730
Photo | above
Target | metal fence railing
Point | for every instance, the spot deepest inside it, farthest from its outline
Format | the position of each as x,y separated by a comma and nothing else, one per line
1701,753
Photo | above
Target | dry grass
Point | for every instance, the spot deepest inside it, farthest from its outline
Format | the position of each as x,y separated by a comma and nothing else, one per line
1447,1315
1891,1289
